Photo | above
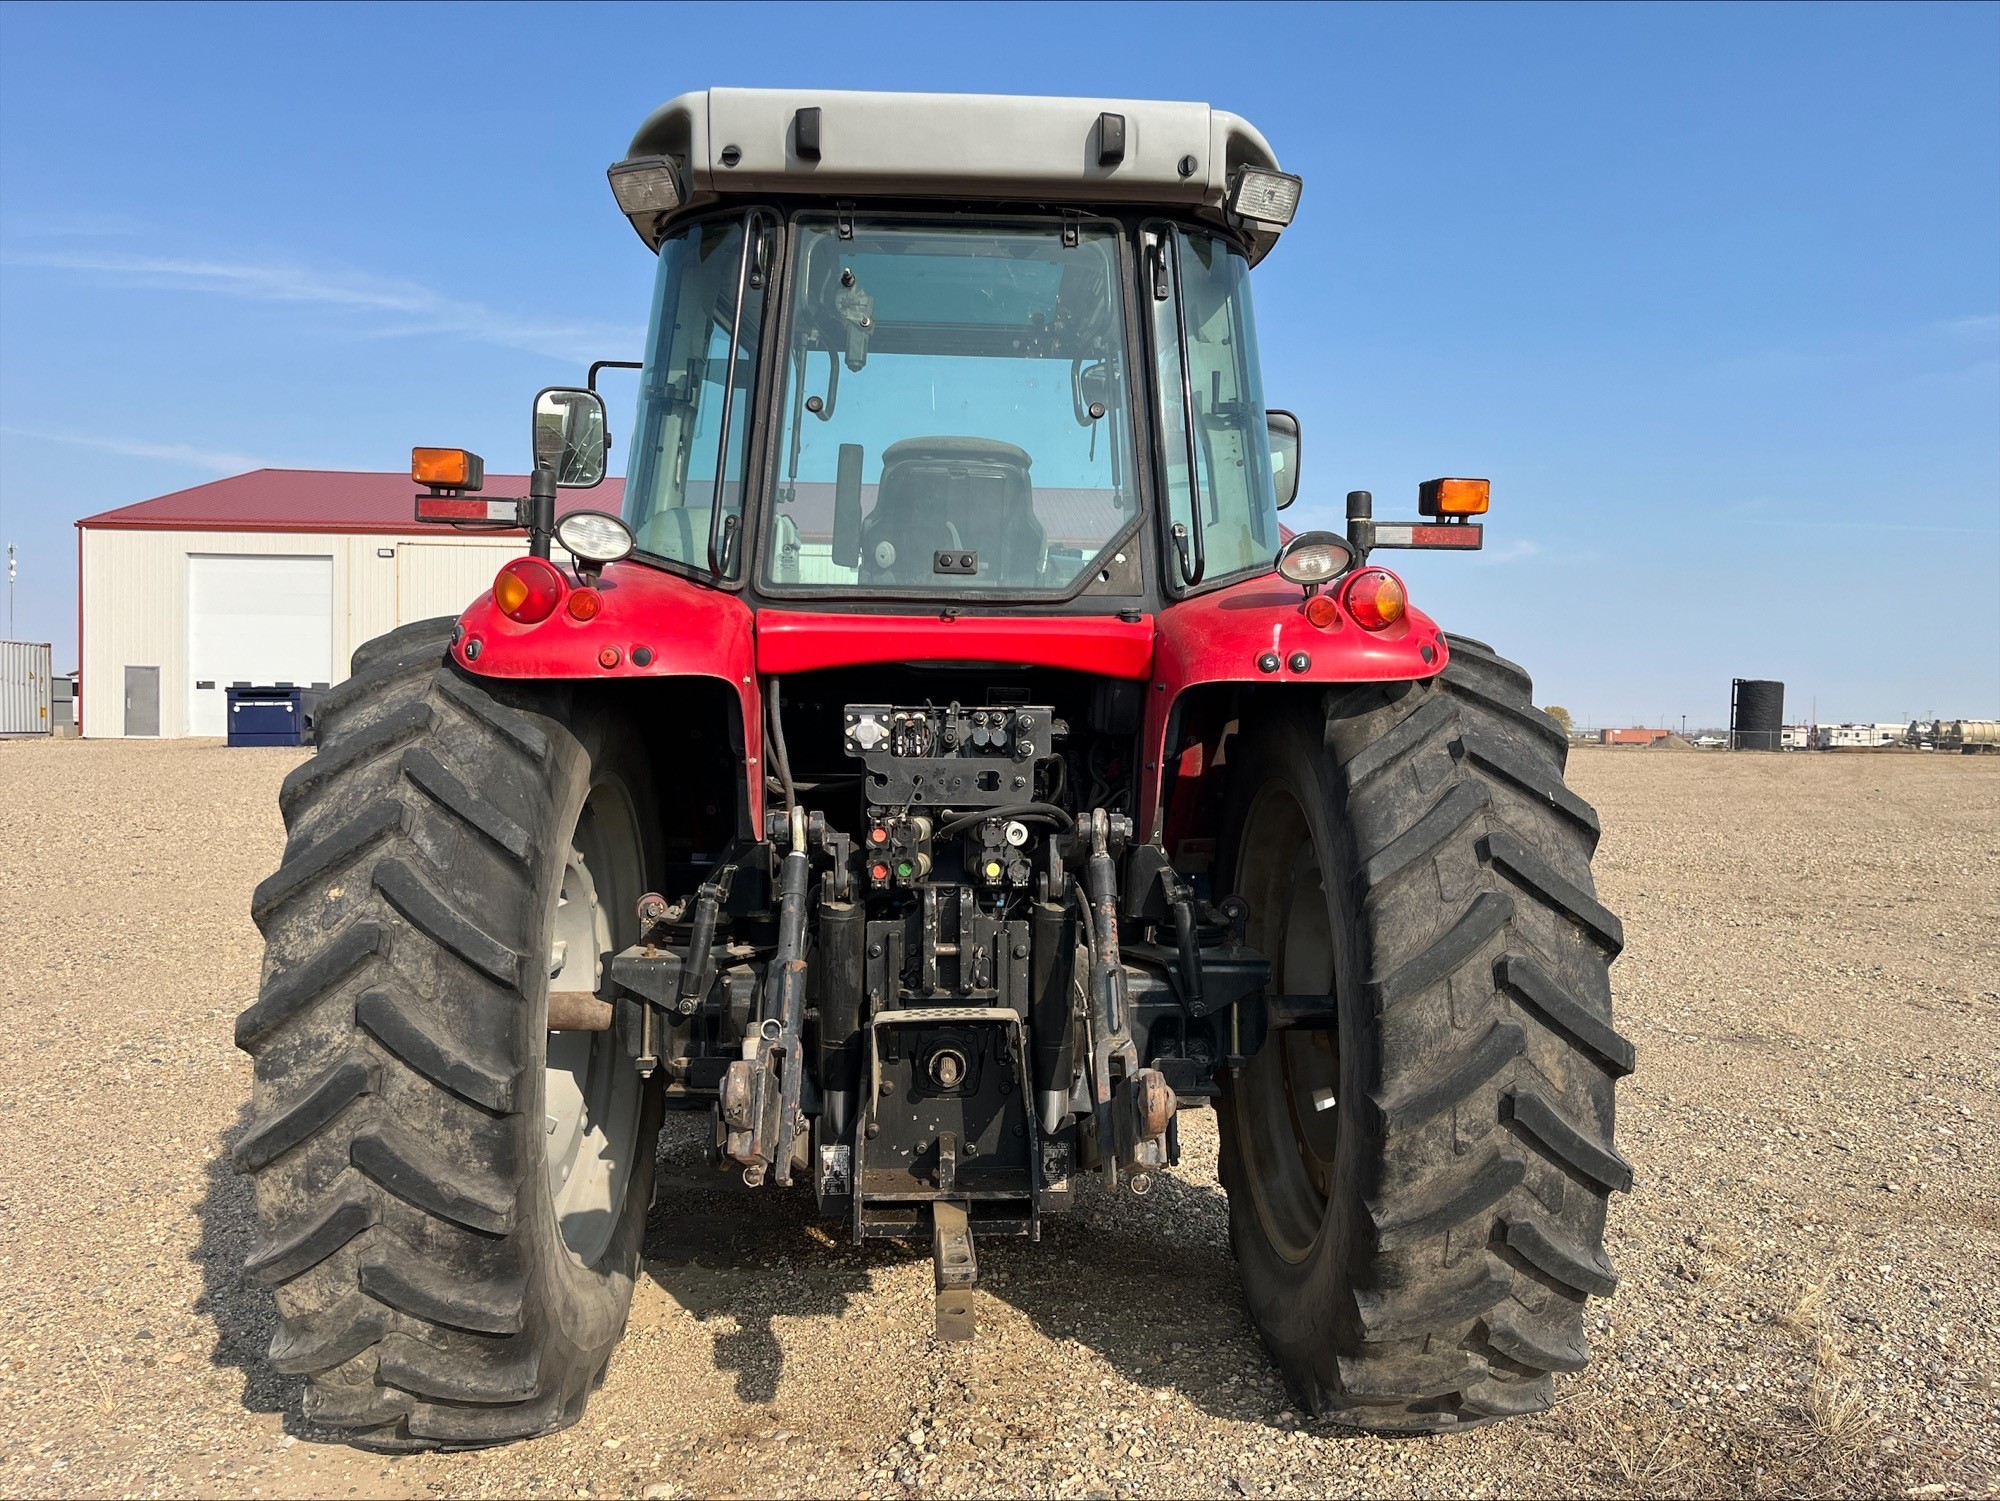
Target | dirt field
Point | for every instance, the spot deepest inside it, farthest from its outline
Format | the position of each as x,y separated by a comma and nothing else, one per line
1811,1257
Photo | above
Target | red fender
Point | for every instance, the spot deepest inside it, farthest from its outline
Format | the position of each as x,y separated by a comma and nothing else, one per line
1228,637
687,630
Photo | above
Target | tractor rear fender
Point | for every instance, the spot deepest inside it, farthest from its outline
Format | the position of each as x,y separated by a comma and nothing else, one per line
1251,638
650,624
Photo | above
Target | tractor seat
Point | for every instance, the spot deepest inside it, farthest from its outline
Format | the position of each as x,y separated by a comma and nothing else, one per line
958,494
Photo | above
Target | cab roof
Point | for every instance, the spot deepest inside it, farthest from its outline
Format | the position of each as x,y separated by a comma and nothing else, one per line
968,148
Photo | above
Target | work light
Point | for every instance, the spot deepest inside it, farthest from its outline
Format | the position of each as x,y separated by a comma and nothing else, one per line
594,536
1267,197
645,186
1314,558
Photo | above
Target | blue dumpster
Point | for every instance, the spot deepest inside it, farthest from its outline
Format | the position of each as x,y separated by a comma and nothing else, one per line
278,714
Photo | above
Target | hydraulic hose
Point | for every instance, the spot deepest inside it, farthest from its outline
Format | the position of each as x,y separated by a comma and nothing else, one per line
1026,812
778,752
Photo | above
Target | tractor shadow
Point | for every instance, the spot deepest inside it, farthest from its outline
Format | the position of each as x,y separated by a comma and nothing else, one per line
735,1258
242,1313
1148,1284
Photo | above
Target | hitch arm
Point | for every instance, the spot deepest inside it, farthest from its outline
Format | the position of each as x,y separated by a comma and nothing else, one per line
761,1090
1131,1107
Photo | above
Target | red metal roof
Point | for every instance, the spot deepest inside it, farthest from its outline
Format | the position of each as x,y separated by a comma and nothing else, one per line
318,500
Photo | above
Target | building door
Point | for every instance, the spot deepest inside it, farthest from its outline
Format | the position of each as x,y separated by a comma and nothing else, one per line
142,700
442,578
254,618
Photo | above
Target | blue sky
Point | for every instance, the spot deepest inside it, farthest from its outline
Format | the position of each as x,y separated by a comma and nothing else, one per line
1712,293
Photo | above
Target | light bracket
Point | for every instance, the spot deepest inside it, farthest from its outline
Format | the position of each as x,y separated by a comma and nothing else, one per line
447,508
1466,535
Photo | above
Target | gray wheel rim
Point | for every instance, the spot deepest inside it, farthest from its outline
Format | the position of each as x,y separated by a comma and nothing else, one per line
1286,1098
591,1094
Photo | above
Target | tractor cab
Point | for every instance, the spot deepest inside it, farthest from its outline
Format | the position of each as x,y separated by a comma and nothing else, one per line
880,372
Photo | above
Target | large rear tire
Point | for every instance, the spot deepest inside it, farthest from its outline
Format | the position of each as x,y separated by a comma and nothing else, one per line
450,1198
1417,1190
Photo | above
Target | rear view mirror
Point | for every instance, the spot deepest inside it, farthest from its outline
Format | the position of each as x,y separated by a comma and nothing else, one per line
1284,428
570,437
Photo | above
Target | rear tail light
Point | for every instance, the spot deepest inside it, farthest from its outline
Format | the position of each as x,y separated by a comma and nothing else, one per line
528,590
1320,610
584,604
1375,598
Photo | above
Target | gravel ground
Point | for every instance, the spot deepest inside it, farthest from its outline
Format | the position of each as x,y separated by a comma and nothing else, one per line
1811,1256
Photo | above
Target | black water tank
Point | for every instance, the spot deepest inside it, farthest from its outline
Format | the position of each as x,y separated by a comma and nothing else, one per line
1756,714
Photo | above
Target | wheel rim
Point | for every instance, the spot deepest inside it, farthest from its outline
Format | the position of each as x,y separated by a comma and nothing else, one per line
591,1094
1285,1098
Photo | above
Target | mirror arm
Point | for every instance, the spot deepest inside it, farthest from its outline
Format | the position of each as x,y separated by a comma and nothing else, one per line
590,382
1361,524
539,510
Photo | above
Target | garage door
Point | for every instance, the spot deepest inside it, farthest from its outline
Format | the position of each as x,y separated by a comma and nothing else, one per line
254,619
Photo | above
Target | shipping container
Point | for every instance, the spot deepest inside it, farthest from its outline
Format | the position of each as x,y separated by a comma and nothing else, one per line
24,688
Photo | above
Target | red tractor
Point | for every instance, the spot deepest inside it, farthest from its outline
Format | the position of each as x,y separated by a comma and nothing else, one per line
944,772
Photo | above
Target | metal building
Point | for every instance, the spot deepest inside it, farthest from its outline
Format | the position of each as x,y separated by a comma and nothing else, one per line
275,576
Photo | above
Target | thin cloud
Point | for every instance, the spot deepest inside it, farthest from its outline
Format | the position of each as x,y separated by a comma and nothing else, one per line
1816,524
413,310
1514,550
218,460
71,224
1977,326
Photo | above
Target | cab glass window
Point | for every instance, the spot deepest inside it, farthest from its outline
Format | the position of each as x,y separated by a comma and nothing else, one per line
955,414
684,487
1213,432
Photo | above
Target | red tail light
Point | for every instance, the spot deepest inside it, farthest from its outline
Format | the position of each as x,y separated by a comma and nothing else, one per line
528,590
1375,598
585,603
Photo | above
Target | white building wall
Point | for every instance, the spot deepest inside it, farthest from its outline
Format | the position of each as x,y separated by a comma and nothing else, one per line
135,600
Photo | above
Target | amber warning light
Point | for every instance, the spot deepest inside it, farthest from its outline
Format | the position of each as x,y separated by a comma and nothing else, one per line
1454,497
447,468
